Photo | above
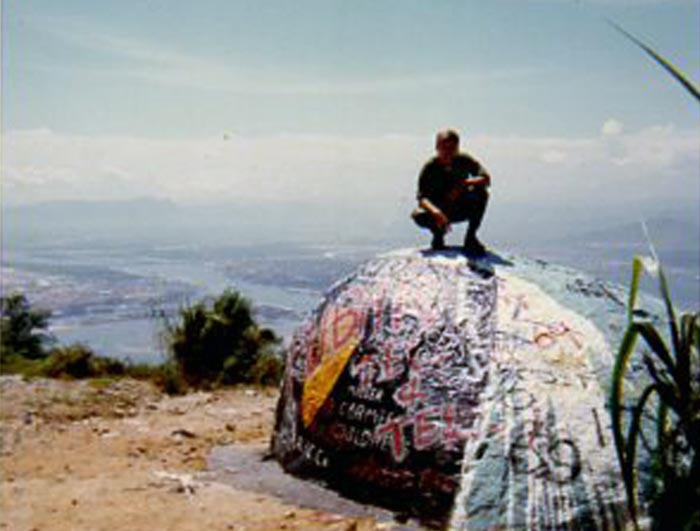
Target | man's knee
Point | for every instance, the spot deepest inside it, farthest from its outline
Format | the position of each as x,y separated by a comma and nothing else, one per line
479,196
422,218
481,199
470,204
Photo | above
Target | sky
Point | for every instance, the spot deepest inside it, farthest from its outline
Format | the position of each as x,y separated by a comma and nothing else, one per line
337,102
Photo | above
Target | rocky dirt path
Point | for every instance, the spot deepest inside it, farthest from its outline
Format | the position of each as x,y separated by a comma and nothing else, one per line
99,455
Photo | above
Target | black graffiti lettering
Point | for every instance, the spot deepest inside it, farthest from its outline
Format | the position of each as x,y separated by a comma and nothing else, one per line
565,460
531,453
522,399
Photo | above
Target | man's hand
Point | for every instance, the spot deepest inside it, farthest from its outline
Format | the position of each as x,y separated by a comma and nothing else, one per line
467,186
441,220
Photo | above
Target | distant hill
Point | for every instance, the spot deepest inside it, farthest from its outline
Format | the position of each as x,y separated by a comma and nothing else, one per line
677,241
148,220
86,213
511,226
665,232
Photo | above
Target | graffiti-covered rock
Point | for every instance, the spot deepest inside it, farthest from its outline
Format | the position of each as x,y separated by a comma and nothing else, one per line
424,383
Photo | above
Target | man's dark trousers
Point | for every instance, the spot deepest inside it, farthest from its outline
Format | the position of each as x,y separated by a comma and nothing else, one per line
469,206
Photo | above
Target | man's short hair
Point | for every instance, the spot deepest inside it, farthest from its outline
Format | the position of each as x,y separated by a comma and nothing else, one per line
447,135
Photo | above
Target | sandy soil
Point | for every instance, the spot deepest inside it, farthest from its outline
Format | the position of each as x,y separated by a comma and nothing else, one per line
99,455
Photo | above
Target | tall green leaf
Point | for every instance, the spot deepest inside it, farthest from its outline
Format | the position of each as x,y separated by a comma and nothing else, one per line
629,468
657,345
637,269
670,312
616,407
665,64
661,428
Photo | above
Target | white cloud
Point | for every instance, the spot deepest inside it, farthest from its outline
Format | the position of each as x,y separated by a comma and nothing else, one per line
553,156
612,127
43,165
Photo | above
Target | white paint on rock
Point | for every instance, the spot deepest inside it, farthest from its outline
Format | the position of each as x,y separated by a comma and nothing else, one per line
541,366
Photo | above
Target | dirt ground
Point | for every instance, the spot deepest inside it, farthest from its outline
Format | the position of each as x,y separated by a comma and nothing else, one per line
118,455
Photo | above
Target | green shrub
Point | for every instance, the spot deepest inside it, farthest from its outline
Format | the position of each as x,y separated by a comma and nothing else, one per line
142,371
268,369
79,361
74,361
220,343
210,344
15,364
170,380
22,329
102,366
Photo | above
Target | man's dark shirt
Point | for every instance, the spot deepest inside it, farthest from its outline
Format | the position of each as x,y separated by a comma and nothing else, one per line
436,181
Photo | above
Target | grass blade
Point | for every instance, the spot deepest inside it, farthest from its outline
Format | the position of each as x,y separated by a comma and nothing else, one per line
664,388
695,342
661,428
685,331
657,345
665,64
616,390
629,470
666,294
637,268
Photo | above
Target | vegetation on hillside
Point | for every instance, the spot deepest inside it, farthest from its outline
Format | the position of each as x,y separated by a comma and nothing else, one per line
207,345
219,342
674,383
23,330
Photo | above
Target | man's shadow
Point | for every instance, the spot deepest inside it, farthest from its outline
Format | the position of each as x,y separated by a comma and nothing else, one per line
490,258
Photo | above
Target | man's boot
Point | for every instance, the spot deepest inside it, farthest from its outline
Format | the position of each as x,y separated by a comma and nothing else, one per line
473,245
438,243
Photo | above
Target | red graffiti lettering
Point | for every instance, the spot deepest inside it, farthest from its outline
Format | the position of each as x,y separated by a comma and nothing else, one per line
365,369
394,429
452,434
426,432
553,332
409,394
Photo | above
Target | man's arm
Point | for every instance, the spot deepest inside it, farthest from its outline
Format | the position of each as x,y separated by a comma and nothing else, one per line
483,178
440,218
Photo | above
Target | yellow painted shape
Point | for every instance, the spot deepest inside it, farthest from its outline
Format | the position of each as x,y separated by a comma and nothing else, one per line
320,383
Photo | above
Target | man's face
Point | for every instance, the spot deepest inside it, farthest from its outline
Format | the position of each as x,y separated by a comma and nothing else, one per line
446,150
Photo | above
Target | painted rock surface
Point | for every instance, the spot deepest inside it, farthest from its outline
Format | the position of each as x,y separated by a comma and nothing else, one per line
475,399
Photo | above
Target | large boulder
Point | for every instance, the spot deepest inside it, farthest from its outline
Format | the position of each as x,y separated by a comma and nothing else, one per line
474,398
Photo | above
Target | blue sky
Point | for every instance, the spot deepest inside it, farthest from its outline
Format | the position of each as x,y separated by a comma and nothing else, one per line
202,101
181,69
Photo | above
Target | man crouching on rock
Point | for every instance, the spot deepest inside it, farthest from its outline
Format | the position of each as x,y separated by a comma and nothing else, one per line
452,188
